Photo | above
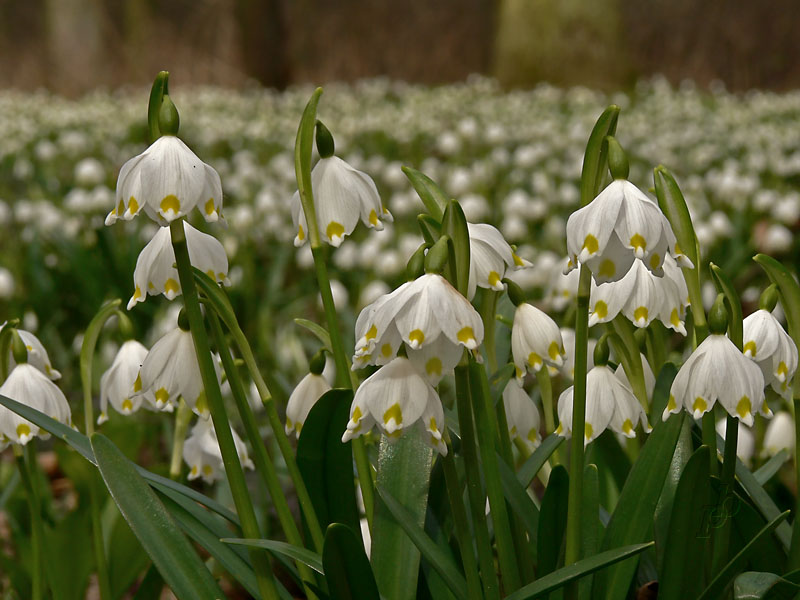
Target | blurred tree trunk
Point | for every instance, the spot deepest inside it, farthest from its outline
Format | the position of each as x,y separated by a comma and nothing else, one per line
262,25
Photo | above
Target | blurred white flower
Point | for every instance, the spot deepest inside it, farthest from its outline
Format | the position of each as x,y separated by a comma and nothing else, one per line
535,340
167,180
772,349
37,355
522,415
779,434
116,384
202,454
302,400
745,441
89,171
6,284
28,385
490,256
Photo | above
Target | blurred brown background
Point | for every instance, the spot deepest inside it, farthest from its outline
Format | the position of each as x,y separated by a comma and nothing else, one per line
72,46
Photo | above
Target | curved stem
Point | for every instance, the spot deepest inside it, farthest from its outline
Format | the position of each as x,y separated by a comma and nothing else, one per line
230,458
488,310
31,485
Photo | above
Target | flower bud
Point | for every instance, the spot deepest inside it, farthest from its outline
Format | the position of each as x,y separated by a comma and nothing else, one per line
769,298
617,160
168,120
317,364
416,264
18,349
436,258
515,293
718,316
601,352
325,145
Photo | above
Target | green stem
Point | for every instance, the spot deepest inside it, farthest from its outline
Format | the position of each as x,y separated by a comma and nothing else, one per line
546,394
709,436
698,314
461,529
631,359
343,375
722,534
573,544
86,359
488,310
230,458
486,426
31,485
264,464
477,499
182,418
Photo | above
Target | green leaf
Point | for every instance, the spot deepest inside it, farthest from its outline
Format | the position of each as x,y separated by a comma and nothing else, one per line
151,585
673,205
303,148
593,173
305,556
126,558
318,330
349,575
552,521
434,199
632,519
724,577
326,463
685,544
454,225
787,287
734,306
521,503
175,558
590,521
558,579
754,585
772,466
535,461
154,105
404,468
431,228
432,553
68,579
80,443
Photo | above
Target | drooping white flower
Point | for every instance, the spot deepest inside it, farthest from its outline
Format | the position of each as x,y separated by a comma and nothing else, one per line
490,255
429,316
171,370
156,273
772,349
609,404
302,400
396,398
642,297
202,454
619,225
717,371
342,196
167,180
28,385
522,415
116,384
745,441
535,340
568,368
37,355
779,434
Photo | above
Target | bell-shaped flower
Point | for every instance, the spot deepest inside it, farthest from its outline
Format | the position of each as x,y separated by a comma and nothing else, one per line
302,400
522,415
535,340
429,316
116,384
202,454
568,368
745,441
490,255
396,398
167,180
718,371
37,355
156,273
342,196
779,435
642,296
28,385
609,404
619,225
170,370
772,349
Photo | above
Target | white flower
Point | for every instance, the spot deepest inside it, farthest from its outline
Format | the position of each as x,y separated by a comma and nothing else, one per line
28,385
303,399
772,349
535,340
156,273
779,434
171,370
716,370
201,452
116,384
642,296
342,195
745,441
568,368
522,415
620,224
396,398
490,255
429,316
37,355
168,181
609,404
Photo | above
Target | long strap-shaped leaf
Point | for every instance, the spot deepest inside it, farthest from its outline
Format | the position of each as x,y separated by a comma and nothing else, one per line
312,559
159,535
427,547
560,578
